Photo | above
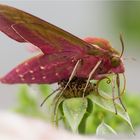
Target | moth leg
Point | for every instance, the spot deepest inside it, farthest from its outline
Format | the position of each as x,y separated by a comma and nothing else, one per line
119,93
62,91
49,96
56,105
113,94
90,75
71,76
122,92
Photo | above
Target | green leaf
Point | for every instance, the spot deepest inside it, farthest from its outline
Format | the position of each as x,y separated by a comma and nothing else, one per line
74,110
90,126
108,105
104,129
85,123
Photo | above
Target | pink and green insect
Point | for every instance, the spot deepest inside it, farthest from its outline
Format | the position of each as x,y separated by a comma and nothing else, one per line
63,56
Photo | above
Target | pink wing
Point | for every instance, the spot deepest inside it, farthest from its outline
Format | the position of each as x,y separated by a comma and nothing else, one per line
42,69
24,27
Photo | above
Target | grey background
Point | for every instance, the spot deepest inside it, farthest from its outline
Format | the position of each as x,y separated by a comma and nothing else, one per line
82,18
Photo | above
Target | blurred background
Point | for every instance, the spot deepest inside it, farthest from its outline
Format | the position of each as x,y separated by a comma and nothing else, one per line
106,19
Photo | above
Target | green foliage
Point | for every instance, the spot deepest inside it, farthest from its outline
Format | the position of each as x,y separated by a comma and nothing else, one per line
109,106
90,115
104,129
74,110
28,103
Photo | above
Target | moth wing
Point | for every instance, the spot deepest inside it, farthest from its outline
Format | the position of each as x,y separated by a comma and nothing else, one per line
25,27
41,69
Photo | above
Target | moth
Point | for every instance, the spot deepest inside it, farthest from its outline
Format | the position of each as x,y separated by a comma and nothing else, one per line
64,56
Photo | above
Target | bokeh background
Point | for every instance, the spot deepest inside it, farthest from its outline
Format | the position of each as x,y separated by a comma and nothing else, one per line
106,19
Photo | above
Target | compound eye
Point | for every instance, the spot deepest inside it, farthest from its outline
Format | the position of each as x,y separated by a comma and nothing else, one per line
115,61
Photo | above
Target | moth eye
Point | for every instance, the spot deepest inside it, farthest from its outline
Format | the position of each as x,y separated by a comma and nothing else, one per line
115,61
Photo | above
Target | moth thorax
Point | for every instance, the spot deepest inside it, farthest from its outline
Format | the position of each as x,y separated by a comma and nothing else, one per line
76,87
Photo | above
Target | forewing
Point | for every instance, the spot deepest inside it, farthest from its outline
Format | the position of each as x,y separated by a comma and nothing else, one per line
41,69
25,27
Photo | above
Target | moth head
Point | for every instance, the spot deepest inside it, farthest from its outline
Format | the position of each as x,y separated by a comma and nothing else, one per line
116,59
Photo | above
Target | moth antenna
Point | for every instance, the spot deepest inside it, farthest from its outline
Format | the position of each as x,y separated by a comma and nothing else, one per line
122,43
119,94
49,96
